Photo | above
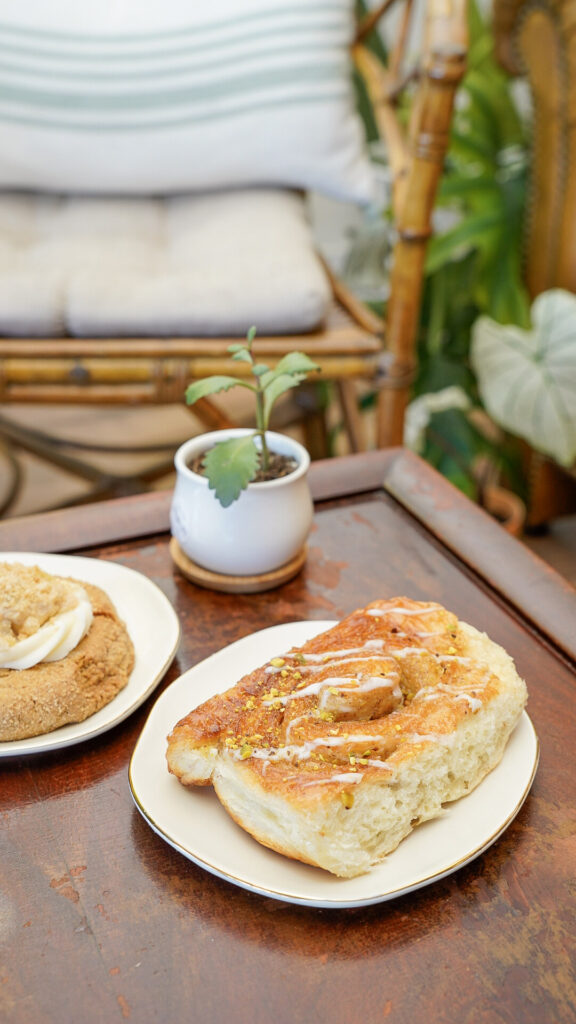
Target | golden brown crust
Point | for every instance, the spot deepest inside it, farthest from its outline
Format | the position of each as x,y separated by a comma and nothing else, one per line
47,696
272,707
392,712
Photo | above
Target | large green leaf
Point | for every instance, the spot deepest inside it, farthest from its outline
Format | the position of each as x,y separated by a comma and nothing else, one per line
471,147
468,188
472,232
230,466
527,378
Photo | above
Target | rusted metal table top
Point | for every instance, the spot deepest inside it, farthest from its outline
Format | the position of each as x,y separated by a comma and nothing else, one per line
102,920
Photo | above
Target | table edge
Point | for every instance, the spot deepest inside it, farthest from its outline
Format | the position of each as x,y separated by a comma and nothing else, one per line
523,580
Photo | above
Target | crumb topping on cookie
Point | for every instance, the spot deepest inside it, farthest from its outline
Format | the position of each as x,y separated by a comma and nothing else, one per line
42,617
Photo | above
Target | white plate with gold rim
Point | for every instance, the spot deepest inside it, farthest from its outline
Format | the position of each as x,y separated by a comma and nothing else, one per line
153,627
193,821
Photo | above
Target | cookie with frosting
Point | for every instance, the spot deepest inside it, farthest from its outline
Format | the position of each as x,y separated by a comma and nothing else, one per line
64,652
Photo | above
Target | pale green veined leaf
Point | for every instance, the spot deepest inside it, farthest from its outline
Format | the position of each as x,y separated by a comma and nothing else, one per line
211,386
230,466
242,355
527,378
293,362
277,387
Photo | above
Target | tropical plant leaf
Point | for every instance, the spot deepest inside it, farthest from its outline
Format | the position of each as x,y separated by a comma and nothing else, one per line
230,466
527,378
453,187
469,146
477,231
211,386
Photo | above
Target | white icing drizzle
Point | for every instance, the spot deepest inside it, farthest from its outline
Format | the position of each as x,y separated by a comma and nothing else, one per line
370,645
474,703
403,651
400,610
399,635
363,685
303,751
328,660
432,692
308,691
353,685
430,737
353,777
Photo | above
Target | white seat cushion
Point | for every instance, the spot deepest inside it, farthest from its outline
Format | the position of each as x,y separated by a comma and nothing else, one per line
211,264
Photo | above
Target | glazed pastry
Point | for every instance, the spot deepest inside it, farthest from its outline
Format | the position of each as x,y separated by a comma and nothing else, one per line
64,652
333,752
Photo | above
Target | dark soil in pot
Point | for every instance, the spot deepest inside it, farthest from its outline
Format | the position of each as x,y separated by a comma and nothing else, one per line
279,466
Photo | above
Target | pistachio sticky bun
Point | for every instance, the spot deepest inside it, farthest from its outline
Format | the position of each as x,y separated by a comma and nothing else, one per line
372,716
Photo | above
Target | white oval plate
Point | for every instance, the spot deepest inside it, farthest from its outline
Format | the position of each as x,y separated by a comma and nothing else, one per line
193,821
153,627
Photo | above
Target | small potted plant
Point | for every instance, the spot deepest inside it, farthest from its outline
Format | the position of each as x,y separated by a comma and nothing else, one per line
242,504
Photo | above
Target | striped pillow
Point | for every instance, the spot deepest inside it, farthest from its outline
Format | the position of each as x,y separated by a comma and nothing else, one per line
161,96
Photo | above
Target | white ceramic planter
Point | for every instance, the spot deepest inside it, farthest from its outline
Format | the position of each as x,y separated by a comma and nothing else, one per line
264,529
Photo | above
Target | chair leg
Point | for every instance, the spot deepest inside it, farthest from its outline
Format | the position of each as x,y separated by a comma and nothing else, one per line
103,484
552,492
210,415
353,421
12,480
309,400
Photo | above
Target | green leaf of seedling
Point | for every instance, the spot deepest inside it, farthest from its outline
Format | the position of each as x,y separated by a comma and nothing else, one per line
260,369
296,362
237,347
230,466
251,334
211,386
277,387
242,355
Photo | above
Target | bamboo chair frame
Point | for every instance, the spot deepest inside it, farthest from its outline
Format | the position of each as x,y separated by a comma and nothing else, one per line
355,344
535,40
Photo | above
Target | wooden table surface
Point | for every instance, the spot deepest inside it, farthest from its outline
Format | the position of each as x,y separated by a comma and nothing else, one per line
101,920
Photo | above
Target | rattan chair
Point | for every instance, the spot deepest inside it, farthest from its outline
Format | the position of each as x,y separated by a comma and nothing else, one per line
535,40
354,345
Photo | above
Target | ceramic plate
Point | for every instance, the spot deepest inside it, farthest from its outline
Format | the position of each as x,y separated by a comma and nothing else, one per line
152,624
194,822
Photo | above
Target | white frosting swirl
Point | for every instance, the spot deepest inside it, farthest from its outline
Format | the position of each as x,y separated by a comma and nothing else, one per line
55,639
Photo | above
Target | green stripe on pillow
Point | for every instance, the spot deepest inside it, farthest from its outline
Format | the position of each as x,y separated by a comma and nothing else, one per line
177,120
220,27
